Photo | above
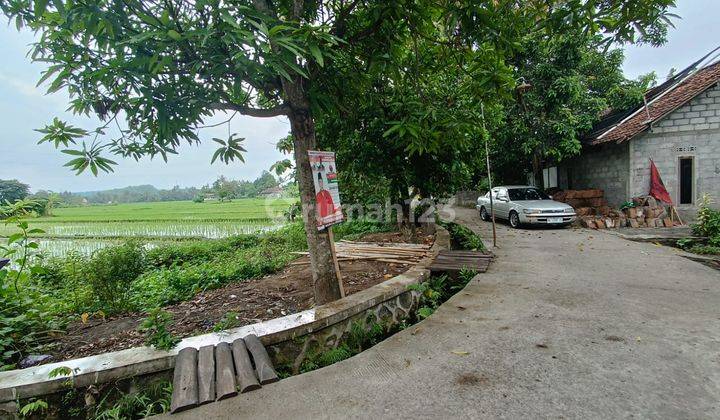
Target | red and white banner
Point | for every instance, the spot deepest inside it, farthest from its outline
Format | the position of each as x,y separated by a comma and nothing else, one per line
327,192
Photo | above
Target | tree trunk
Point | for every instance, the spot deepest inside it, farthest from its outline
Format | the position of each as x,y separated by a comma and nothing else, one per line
325,281
405,223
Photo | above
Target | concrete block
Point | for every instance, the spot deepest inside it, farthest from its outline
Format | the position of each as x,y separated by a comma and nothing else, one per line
698,107
697,120
703,126
710,113
694,114
715,119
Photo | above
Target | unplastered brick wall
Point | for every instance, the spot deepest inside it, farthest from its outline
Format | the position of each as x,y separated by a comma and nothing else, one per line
693,130
604,167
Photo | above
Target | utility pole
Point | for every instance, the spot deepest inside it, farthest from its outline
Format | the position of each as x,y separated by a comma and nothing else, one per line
489,175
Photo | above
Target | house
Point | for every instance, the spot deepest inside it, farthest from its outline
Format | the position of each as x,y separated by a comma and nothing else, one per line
272,192
678,127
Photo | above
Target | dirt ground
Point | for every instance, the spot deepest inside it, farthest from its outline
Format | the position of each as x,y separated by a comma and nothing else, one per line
276,295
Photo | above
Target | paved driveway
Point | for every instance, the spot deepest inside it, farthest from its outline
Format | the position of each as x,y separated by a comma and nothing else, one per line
566,324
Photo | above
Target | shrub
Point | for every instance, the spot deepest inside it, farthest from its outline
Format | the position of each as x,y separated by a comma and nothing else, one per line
708,224
155,327
463,237
145,401
355,228
111,272
241,258
25,312
64,278
705,249
229,321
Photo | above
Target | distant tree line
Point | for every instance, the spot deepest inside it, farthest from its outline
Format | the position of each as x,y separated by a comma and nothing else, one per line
226,189
223,189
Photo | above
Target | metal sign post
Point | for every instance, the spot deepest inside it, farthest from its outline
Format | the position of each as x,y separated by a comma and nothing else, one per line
489,175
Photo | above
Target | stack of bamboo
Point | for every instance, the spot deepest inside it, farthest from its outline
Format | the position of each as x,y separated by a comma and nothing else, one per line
398,253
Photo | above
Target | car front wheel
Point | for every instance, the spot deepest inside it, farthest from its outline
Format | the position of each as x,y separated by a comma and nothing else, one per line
483,214
514,220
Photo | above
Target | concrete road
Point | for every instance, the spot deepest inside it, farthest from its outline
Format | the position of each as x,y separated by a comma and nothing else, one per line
566,324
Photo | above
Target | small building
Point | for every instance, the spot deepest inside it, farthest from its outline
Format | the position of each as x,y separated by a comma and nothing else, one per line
273,192
678,127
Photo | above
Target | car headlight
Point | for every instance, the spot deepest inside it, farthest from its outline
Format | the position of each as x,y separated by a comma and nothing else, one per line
530,211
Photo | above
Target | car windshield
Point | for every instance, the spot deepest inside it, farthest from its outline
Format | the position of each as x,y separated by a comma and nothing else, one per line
524,194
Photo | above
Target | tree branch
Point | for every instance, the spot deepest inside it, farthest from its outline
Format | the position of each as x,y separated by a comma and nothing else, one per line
252,112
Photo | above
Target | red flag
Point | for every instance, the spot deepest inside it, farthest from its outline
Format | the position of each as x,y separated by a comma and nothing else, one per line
657,188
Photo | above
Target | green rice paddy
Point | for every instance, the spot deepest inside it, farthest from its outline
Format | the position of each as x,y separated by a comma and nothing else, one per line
88,228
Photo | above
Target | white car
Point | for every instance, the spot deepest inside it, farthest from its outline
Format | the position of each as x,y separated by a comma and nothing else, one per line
523,204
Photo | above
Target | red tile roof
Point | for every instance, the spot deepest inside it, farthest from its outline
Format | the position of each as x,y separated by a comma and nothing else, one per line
663,104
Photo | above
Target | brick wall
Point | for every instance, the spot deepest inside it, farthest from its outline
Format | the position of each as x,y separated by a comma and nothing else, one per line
692,130
605,167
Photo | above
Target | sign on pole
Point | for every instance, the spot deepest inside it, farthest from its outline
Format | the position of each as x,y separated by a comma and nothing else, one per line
327,192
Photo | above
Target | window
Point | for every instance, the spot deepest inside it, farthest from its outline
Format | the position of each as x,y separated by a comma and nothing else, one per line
686,180
526,194
550,177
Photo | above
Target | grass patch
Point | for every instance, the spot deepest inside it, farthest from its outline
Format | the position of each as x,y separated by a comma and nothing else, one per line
463,238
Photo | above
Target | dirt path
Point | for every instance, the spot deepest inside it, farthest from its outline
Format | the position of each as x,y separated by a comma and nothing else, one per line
566,324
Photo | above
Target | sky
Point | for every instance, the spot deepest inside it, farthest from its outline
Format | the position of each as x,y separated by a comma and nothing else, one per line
24,107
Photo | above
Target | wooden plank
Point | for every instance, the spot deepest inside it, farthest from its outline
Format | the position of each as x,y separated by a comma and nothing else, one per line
206,374
263,365
247,381
451,257
461,263
224,372
463,251
185,385
478,254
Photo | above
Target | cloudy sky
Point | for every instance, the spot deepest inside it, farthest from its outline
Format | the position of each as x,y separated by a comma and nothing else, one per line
24,107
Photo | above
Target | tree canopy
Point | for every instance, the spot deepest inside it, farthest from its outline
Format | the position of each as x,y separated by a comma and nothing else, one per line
12,190
572,83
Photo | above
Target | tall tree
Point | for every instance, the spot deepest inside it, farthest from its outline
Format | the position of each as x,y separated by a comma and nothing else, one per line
572,83
153,69
12,190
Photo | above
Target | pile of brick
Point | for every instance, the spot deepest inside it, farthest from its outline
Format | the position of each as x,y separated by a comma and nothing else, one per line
647,213
594,212
585,202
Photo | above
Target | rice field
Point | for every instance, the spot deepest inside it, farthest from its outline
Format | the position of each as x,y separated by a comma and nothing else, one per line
86,229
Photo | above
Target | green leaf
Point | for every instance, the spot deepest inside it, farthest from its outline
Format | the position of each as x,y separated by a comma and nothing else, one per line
174,35
315,51
15,238
40,6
